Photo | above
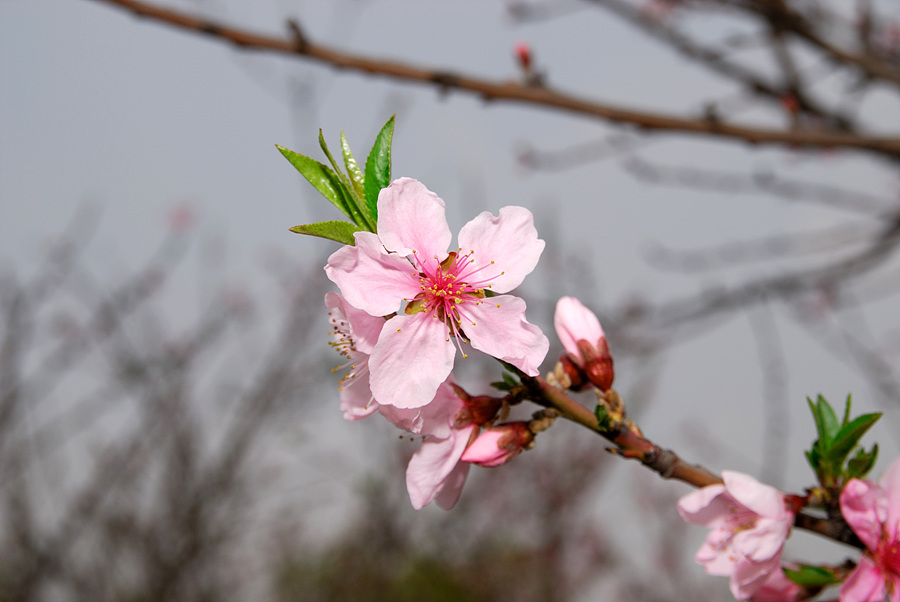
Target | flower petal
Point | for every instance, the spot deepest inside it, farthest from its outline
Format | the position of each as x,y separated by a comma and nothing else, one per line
864,507
865,584
575,322
412,358
435,418
507,246
453,484
705,506
497,326
762,499
411,218
370,278
890,482
432,464
364,328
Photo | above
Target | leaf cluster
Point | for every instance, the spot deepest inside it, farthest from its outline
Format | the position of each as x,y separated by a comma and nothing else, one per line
830,454
354,193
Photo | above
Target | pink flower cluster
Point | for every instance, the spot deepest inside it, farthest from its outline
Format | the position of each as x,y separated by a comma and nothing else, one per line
749,524
407,304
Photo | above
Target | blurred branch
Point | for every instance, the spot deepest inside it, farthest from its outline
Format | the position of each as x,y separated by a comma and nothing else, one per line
299,45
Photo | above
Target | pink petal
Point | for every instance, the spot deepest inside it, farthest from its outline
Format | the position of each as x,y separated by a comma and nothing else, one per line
453,484
575,322
431,465
509,240
356,397
705,506
412,218
435,418
412,358
364,328
777,588
764,541
749,576
890,482
865,584
484,450
497,326
864,507
761,499
370,278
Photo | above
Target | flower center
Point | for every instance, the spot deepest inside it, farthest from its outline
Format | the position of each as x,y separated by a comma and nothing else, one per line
889,555
448,287
344,344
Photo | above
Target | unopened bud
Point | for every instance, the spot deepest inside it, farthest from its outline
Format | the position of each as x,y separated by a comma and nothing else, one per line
599,366
523,54
499,444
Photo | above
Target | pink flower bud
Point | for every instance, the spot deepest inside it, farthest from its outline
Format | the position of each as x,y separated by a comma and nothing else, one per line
523,53
499,444
581,335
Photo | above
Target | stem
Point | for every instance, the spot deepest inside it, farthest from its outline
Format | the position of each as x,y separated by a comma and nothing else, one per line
630,443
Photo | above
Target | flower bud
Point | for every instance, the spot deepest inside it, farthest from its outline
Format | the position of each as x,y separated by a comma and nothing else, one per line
499,444
585,343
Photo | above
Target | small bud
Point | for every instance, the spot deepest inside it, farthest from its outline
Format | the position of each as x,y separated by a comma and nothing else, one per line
582,337
523,54
499,444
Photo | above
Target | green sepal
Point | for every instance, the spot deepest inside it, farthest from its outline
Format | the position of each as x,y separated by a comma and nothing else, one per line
339,231
378,166
357,177
356,203
811,576
321,177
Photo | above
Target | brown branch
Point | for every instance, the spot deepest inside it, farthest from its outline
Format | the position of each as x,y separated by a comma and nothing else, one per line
715,61
509,91
630,443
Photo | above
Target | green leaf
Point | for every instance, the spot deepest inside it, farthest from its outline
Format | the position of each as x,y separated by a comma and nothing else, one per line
849,435
378,166
862,463
321,177
847,405
811,576
341,232
603,418
357,206
826,421
357,177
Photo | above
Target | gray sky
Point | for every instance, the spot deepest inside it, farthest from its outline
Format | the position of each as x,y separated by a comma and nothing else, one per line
99,107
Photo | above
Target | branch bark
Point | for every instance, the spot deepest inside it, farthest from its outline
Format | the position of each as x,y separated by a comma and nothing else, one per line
509,91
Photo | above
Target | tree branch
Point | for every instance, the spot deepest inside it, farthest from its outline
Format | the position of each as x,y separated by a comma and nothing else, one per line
299,45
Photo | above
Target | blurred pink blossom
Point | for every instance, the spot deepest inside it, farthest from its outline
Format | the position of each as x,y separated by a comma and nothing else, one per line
439,298
749,523
873,512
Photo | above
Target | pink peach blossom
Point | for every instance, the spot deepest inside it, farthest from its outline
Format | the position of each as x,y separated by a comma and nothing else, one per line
873,512
749,523
439,298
